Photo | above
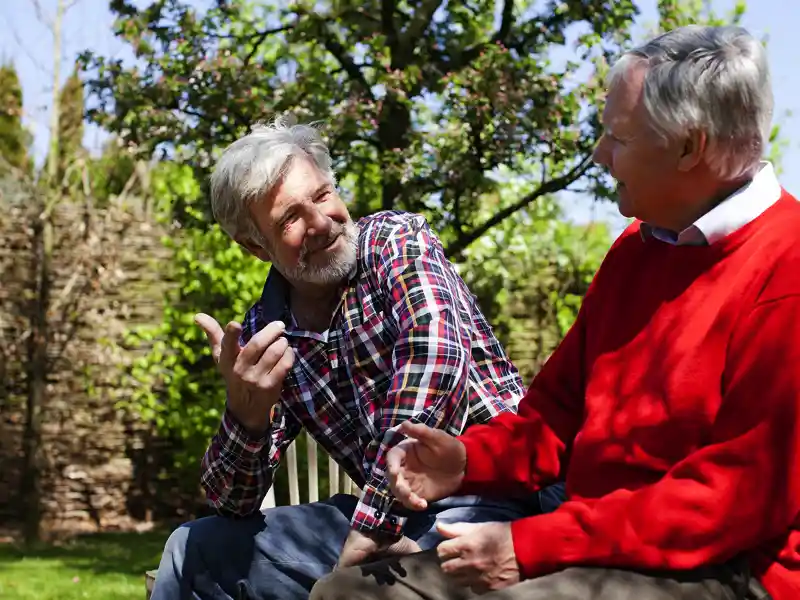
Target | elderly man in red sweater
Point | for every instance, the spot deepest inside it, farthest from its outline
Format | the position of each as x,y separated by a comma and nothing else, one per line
671,407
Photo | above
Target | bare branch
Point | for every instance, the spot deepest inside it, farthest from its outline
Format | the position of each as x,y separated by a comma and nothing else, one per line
41,15
348,64
26,48
549,187
420,21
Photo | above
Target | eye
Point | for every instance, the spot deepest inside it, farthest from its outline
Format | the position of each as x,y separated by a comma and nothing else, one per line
322,197
288,220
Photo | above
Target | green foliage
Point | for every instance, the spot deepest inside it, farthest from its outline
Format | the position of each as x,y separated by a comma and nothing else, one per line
14,138
112,170
176,383
421,102
529,275
70,123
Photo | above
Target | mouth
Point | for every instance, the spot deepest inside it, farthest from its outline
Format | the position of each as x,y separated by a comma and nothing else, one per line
327,246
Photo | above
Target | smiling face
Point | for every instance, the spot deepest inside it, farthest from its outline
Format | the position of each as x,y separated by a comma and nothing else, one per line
654,177
307,232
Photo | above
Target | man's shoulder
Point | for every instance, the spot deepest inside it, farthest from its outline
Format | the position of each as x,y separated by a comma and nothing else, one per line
386,235
388,223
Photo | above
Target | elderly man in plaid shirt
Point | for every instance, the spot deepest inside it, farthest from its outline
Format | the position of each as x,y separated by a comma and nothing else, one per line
360,327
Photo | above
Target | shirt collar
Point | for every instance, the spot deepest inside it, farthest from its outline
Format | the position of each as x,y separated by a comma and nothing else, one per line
736,211
275,297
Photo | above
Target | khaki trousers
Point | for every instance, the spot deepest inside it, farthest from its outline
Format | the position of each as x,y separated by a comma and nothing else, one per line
418,577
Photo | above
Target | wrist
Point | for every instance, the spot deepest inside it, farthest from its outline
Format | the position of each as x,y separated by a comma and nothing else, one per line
255,427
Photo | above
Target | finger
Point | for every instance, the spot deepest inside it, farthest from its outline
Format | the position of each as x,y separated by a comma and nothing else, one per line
252,351
404,546
268,360
213,331
396,457
449,549
401,489
230,348
458,567
455,530
280,370
418,431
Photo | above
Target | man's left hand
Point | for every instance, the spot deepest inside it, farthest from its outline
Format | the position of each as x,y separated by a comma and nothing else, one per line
479,556
361,547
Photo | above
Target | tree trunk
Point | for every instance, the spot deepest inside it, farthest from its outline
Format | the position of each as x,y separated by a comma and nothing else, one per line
393,128
37,368
38,342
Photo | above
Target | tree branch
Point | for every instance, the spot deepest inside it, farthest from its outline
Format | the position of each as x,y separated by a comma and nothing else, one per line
387,23
501,35
260,38
338,51
548,187
419,23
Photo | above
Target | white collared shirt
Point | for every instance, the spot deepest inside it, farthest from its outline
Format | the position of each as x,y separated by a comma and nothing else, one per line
736,211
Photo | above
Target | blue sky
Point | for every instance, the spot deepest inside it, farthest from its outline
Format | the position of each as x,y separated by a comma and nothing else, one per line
28,43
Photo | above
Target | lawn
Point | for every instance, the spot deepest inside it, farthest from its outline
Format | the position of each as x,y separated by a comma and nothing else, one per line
100,566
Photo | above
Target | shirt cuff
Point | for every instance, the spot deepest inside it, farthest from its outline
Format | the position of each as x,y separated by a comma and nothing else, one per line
374,513
236,441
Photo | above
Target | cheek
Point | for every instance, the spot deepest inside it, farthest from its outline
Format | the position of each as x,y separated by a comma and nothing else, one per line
291,243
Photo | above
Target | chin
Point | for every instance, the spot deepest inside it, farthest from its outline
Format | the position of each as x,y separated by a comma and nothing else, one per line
624,205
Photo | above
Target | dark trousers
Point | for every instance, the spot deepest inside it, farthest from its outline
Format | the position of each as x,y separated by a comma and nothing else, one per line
418,577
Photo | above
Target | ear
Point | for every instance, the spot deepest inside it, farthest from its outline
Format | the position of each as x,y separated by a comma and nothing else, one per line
694,147
255,249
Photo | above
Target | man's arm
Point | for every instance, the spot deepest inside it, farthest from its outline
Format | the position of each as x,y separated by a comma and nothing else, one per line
732,495
238,469
430,360
516,454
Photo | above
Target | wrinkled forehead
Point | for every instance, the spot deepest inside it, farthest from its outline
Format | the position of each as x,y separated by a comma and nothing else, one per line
624,106
301,181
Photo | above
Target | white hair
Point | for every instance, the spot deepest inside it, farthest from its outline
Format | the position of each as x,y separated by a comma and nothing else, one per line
710,79
253,165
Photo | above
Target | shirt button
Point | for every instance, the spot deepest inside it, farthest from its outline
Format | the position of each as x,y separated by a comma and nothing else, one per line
393,520
378,514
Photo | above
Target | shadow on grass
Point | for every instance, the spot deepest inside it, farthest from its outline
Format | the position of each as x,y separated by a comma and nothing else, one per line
101,553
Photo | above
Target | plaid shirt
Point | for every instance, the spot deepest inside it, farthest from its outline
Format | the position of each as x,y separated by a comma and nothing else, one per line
406,342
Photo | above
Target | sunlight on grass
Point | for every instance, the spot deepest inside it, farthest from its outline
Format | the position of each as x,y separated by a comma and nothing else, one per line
92,567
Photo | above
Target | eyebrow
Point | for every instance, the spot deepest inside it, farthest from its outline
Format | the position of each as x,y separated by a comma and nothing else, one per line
293,201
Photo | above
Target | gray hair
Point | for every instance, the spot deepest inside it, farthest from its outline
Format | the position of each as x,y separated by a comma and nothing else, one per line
253,165
710,79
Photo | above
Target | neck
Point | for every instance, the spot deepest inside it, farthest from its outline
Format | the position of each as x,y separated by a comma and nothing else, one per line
707,198
312,305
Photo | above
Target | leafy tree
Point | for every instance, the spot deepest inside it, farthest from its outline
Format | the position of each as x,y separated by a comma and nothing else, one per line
422,101
14,139
70,126
530,274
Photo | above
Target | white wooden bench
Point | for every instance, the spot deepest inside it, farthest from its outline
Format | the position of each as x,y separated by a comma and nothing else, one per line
338,480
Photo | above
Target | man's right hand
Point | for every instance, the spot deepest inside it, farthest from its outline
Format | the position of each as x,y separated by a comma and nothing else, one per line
427,466
254,374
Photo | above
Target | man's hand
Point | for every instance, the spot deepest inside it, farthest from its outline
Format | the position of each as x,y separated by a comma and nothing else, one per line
361,547
427,466
479,556
254,373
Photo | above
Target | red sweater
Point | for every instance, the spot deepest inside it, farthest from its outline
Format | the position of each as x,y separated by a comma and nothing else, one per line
672,407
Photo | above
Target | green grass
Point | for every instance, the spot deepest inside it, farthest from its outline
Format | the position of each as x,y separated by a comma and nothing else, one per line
101,566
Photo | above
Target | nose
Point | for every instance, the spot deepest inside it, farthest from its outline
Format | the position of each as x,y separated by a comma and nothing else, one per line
318,223
599,154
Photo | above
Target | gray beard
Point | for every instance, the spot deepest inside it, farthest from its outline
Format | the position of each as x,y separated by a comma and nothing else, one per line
338,269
